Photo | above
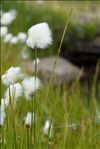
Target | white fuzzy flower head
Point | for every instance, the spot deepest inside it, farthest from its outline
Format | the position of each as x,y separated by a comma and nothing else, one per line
28,120
46,128
14,40
30,85
7,38
11,75
3,31
7,17
39,36
22,37
15,92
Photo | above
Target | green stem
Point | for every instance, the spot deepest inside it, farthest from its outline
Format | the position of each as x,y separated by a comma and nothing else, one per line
35,97
62,38
28,139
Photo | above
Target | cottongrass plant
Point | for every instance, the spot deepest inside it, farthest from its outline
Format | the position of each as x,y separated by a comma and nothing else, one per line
8,17
65,117
17,83
30,85
28,122
39,36
11,76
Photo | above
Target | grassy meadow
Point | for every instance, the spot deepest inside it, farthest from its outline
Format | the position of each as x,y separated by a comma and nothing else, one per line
73,109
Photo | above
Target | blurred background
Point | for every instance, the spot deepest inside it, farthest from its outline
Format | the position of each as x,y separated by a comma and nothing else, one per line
81,44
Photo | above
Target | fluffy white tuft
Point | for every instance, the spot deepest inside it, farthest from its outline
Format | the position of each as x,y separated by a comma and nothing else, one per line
11,75
15,92
46,128
7,38
8,17
30,86
28,119
39,36
22,37
14,40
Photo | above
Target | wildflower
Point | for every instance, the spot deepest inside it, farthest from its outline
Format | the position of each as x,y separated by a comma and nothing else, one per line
7,18
28,120
3,31
14,40
15,92
39,36
11,75
22,37
5,79
7,38
47,127
30,85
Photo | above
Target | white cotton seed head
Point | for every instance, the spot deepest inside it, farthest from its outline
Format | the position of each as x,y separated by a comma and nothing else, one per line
28,120
3,31
11,75
14,40
7,17
15,92
22,37
30,86
7,38
39,36
28,96
46,128
5,79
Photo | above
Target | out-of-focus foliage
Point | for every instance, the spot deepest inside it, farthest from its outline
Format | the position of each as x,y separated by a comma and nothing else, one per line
84,23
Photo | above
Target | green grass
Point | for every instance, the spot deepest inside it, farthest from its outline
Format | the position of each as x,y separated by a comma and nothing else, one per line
73,109
65,107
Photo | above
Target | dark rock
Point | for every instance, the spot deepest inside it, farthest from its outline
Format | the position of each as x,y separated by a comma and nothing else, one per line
64,71
86,56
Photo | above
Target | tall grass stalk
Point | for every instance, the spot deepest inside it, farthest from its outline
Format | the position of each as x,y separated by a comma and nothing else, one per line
34,100
59,49
52,74
28,138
